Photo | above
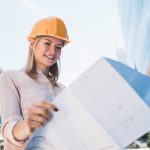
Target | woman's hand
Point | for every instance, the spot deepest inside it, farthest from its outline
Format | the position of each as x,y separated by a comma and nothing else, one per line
34,116
38,114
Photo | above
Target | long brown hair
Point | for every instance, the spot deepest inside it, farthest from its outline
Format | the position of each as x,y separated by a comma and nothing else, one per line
30,67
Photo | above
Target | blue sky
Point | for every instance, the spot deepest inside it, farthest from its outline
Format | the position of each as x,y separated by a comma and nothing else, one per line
93,27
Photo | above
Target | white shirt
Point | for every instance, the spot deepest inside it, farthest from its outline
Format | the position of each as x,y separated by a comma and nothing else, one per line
18,91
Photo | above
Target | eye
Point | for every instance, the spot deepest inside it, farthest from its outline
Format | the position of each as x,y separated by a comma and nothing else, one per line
58,48
47,43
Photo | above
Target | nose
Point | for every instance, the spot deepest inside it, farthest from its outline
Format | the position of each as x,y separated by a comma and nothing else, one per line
52,49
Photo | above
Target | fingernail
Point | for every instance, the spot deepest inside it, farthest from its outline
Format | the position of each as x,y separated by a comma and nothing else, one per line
56,109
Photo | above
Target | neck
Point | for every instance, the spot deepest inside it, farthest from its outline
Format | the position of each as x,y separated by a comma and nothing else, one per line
45,70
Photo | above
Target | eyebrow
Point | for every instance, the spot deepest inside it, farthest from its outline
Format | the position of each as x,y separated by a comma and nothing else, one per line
61,44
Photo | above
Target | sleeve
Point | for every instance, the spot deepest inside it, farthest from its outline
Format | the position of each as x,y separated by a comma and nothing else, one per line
9,107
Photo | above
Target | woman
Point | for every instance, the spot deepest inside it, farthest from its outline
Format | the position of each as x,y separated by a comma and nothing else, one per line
27,94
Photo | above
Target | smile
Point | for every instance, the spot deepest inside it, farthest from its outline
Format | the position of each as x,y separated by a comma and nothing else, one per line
50,57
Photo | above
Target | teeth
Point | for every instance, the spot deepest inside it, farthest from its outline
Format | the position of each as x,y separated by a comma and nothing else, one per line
50,57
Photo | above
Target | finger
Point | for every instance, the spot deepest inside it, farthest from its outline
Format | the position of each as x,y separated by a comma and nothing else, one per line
38,118
30,111
45,104
34,124
39,111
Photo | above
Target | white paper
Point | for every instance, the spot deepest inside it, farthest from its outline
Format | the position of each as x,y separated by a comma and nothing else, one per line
73,128
98,111
113,103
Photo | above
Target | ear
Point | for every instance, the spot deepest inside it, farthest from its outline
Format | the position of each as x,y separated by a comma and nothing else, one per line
32,40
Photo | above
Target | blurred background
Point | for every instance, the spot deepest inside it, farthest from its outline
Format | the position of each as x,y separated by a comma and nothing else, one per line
118,29
94,29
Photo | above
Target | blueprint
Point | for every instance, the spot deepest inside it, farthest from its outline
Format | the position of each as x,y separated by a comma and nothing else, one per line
101,110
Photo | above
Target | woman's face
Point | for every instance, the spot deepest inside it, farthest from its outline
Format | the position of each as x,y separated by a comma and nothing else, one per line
47,51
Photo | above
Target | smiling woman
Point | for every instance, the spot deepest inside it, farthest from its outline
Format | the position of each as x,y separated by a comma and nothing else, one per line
27,94
46,51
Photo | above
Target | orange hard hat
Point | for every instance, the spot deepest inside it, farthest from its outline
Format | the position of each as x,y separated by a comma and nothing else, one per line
51,26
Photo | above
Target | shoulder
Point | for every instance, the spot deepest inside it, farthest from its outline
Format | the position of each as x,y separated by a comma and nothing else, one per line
4,75
11,73
10,76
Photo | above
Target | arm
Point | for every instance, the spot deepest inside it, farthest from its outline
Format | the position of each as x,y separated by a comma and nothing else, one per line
15,128
35,116
10,107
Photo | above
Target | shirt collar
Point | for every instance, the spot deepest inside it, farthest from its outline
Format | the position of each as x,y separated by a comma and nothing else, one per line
39,71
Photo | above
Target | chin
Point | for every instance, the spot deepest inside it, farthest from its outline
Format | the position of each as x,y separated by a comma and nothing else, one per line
49,64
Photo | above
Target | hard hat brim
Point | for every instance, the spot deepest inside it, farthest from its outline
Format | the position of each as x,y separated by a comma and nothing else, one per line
36,35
